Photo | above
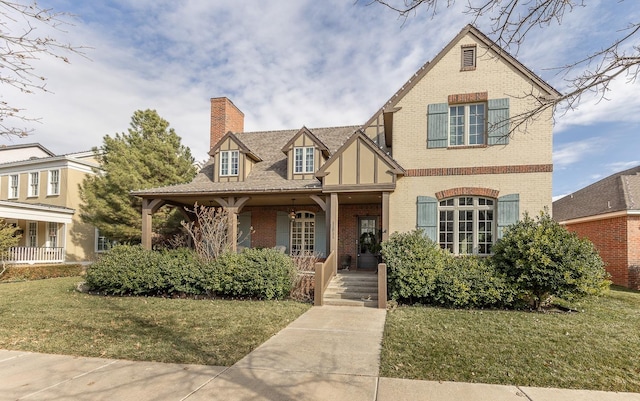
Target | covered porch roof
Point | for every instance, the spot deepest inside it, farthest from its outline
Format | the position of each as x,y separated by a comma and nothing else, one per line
35,212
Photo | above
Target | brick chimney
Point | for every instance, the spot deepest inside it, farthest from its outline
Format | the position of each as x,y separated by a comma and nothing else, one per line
225,117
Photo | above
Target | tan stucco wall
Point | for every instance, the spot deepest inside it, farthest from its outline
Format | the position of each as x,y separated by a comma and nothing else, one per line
79,237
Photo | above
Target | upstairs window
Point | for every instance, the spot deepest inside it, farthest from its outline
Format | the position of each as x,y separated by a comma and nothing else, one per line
229,162
467,124
34,183
303,160
14,185
54,182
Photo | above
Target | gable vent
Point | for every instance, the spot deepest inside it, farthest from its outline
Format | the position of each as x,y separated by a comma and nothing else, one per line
468,58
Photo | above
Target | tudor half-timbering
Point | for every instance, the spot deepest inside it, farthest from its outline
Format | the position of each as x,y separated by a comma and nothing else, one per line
439,155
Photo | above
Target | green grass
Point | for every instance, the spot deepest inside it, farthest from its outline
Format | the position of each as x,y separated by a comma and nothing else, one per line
50,316
597,348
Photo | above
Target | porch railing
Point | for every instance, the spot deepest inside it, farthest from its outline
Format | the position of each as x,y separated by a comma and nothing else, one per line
25,254
324,273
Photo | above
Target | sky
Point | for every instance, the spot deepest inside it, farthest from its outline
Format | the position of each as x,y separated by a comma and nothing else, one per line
286,64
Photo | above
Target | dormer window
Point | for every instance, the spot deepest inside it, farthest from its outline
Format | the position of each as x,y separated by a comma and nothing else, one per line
228,162
303,160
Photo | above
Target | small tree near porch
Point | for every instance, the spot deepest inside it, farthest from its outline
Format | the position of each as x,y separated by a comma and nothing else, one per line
7,240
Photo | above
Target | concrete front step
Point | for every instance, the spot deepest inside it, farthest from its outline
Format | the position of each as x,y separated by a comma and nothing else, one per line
350,295
350,302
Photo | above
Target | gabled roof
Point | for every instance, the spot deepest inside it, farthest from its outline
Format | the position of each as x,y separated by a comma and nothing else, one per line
243,148
305,131
618,192
424,70
268,175
394,165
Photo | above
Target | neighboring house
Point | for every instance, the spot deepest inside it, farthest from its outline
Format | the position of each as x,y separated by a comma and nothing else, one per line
437,156
608,214
39,195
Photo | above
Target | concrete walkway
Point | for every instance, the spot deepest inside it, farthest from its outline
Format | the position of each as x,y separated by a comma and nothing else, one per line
329,353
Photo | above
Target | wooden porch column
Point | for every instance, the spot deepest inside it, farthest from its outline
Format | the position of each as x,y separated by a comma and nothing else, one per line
233,206
332,227
385,216
149,207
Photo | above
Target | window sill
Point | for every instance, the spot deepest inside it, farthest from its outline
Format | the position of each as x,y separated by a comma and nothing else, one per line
467,147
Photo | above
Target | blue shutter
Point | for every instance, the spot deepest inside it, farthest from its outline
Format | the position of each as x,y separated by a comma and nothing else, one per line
244,229
508,212
437,125
498,121
320,246
283,228
428,216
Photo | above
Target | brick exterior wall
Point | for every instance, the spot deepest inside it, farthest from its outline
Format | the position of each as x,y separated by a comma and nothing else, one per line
611,239
225,117
633,243
264,220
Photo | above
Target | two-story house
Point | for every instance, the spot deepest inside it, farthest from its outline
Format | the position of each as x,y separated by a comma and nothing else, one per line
39,195
439,155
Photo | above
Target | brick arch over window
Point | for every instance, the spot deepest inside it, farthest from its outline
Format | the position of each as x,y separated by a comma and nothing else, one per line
467,191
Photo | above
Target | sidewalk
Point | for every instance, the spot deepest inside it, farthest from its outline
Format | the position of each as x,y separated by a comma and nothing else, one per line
329,353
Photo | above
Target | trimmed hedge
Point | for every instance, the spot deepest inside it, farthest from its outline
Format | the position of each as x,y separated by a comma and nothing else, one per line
38,272
132,270
420,272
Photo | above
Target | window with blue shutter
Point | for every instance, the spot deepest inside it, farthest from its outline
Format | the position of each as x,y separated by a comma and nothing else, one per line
508,212
320,247
283,227
244,229
498,121
437,125
427,216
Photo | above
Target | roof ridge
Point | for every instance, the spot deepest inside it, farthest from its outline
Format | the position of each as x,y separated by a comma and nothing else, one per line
296,129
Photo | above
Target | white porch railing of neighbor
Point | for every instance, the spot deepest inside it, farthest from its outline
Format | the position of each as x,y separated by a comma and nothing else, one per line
25,254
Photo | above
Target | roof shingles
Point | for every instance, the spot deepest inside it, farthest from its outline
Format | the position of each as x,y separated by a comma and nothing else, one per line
270,174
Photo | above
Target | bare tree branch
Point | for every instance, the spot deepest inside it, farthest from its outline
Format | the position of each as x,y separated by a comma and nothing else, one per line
20,46
511,21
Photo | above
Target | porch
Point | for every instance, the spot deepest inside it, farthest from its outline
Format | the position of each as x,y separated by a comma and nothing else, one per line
42,230
33,255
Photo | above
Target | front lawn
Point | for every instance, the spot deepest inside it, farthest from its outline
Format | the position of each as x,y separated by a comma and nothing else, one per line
50,316
596,348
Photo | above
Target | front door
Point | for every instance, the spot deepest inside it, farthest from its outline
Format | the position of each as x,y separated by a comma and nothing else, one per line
368,242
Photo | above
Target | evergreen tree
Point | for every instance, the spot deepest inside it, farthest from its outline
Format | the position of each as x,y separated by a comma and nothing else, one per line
150,155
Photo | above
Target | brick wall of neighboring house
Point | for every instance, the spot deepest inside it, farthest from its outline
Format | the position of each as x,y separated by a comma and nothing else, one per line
633,238
610,238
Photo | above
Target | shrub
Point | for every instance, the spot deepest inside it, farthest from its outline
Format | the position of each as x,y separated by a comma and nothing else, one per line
472,282
38,272
254,273
543,259
132,270
414,262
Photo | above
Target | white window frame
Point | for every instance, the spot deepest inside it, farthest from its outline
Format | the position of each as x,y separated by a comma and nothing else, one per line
31,239
34,184
302,233
466,121
103,243
53,187
229,162
476,208
14,191
52,234
304,160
